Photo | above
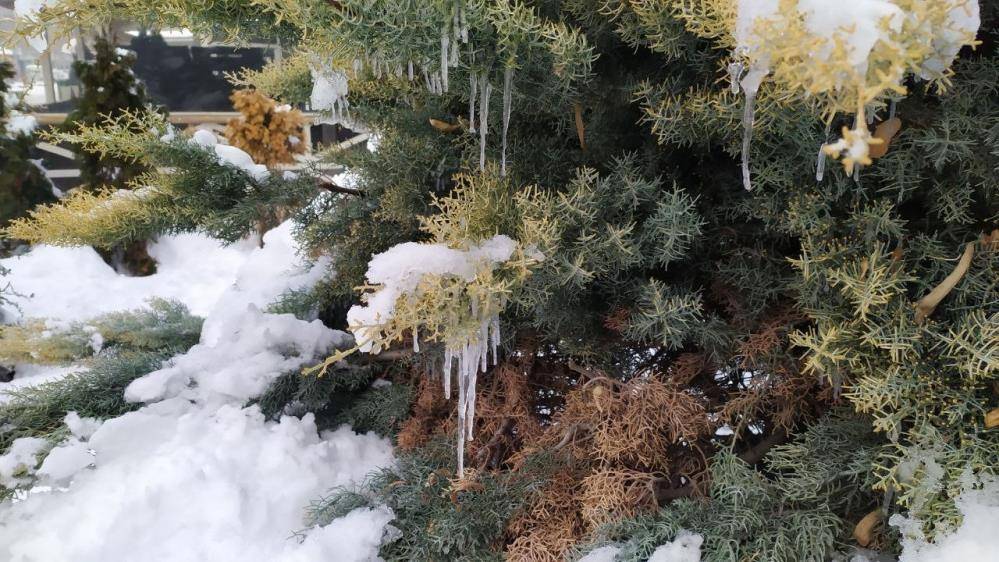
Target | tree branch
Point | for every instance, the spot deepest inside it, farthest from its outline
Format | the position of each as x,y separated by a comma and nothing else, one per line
327,183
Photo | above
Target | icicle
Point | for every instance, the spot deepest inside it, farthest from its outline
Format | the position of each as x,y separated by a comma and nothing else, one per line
485,90
747,137
448,358
820,162
398,70
409,70
734,74
455,52
416,342
750,85
445,43
507,105
463,25
891,109
494,337
456,25
856,173
462,367
473,88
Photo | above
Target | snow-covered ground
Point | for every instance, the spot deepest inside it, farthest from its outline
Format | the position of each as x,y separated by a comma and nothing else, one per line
194,474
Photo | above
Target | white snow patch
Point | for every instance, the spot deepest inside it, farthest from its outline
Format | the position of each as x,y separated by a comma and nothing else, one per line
20,459
686,547
401,268
354,537
27,375
177,483
195,476
20,124
254,350
603,554
975,539
75,284
230,155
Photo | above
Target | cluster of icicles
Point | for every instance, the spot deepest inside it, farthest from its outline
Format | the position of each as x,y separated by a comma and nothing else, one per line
454,34
750,85
472,356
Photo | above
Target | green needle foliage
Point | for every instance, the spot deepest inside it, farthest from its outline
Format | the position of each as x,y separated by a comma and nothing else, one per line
604,138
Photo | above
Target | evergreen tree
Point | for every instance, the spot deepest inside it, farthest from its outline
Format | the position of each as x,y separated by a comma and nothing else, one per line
22,182
622,216
110,88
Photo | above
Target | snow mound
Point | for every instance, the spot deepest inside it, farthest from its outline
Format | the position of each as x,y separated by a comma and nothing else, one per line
194,476
74,284
242,363
177,482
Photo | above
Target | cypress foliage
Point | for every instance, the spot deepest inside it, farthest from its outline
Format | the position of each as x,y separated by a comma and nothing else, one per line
673,344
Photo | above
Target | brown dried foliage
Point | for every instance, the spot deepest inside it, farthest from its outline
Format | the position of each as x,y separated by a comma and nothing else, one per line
620,448
265,130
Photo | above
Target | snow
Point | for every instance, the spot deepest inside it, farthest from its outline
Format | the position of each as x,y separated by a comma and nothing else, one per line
75,284
20,124
230,155
963,21
353,537
26,375
81,428
975,539
859,27
253,350
20,459
686,547
401,268
66,460
175,482
603,554
196,474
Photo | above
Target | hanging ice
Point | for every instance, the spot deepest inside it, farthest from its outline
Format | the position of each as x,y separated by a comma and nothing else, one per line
507,105
445,60
820,162
329,92
399,272
473,87
485,90
472,355
750,85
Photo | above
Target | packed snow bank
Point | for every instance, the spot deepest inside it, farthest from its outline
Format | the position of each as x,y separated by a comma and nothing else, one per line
174,482
73,284
975,539
195,475
242,362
